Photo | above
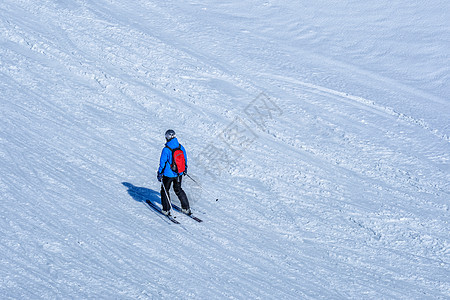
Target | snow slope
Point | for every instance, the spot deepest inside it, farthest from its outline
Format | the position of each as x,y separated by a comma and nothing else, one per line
323,128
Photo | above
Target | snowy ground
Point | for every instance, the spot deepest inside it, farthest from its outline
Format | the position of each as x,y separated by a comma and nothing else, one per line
323,128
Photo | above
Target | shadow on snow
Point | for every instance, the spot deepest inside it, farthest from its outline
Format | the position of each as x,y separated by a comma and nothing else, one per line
141,194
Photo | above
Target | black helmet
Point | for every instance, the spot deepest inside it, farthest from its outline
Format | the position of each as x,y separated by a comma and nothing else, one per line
170,134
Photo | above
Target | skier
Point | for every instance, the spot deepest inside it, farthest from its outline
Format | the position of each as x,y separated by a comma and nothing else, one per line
171,170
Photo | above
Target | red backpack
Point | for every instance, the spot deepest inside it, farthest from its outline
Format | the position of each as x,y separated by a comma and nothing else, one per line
178,164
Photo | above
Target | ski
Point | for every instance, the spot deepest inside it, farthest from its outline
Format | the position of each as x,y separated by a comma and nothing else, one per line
156,208
177,208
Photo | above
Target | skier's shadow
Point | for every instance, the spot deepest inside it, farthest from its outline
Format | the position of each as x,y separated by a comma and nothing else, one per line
140,194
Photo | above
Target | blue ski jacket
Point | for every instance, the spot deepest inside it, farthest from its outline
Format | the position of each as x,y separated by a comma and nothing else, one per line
166,158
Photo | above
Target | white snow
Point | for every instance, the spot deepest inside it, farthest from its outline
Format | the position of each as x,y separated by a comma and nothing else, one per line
322,127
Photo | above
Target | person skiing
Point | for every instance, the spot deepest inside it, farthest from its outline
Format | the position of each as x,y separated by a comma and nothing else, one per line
172,165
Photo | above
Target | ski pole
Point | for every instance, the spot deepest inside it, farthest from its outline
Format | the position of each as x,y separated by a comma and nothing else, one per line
167,195
201,187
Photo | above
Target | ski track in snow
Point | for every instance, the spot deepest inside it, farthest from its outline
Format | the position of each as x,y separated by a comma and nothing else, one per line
339,190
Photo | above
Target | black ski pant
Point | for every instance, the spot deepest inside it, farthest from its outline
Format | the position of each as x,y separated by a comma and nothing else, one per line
166,183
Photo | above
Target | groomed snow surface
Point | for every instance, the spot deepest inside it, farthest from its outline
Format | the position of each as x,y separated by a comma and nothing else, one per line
322,128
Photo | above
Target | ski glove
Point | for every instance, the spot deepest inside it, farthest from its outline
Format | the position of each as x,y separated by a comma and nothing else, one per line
159,176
